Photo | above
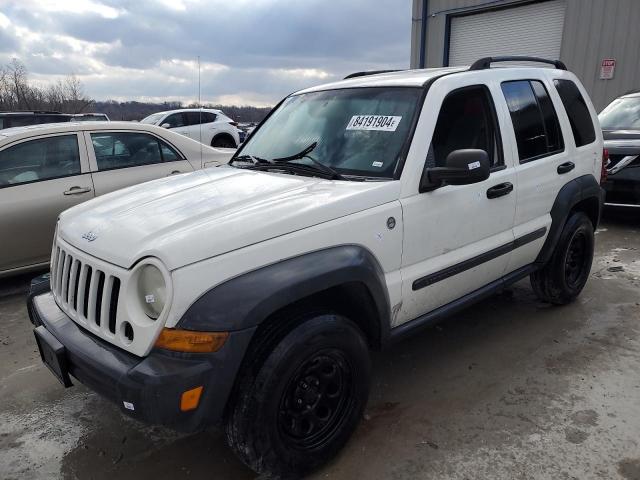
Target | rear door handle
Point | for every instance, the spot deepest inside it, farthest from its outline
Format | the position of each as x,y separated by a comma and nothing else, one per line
500,190
175,172
77,190
566,167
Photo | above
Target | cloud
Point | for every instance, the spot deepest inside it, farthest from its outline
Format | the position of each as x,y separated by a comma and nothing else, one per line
251,51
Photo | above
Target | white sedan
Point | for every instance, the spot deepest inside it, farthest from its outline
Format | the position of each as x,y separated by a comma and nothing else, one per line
45,169
206,125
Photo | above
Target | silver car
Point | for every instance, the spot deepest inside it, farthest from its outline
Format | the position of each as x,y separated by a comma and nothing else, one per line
45,169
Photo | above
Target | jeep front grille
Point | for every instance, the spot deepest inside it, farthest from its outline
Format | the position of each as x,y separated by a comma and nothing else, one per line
84,291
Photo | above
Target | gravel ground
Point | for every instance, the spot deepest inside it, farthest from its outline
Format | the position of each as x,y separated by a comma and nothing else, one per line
509,389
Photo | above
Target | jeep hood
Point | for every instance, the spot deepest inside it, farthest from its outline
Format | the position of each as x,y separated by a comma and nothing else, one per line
187,218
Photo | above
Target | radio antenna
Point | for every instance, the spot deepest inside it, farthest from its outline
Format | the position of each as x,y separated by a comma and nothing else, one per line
200,113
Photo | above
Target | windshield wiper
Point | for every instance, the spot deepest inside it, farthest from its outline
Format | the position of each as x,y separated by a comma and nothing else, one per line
252,158
333,174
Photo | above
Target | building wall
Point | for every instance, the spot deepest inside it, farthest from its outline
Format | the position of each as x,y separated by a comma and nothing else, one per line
593,30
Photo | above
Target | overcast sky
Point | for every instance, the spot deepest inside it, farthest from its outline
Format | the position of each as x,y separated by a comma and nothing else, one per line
252,51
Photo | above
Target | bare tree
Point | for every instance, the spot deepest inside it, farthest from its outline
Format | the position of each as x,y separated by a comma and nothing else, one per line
16,93
73,93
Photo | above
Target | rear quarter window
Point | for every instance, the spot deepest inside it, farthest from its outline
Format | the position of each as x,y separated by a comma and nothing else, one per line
577,111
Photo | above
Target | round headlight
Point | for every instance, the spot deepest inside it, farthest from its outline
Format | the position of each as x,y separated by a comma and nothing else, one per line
152,291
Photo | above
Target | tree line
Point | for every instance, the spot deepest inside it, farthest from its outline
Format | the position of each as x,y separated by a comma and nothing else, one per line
17,93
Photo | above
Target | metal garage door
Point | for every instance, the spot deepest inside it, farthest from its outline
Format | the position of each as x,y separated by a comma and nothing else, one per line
534,30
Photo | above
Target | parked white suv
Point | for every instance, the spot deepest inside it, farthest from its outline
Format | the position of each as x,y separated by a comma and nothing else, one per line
357,213
208,126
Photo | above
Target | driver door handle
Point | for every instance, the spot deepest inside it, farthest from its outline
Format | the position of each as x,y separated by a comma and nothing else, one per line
175,172
77,190
500,190
566,167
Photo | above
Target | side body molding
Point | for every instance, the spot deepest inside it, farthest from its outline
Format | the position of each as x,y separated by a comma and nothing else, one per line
245,301
577,190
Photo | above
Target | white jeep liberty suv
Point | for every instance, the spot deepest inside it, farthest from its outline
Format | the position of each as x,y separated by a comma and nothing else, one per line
357,213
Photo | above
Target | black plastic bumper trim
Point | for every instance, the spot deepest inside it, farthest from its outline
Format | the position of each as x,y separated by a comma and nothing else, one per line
147,388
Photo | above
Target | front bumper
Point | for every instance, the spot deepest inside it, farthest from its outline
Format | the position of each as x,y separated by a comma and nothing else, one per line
148,388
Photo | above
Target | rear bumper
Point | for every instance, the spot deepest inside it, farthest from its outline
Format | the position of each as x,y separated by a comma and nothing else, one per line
152,385
623,188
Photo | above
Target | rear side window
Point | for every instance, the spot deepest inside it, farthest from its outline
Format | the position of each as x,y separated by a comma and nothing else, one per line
196,118
129,149
549,117
577,111
534,119
208,117
193,118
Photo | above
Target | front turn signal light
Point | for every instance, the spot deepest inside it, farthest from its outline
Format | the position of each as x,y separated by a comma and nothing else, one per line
190,399
191,341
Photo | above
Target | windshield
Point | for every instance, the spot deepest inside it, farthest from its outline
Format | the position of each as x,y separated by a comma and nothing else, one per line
358,131
621,114
153,119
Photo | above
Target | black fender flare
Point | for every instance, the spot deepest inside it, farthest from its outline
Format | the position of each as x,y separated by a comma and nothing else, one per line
246,300
577,190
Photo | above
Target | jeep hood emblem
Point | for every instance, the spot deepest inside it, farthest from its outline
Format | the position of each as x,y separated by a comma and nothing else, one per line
90,236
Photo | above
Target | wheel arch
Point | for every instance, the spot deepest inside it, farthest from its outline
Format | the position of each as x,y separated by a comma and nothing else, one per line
582,194
346,279
226,135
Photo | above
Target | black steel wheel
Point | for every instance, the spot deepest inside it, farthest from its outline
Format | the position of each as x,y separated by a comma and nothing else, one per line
562,279
313,404
301,400
576,259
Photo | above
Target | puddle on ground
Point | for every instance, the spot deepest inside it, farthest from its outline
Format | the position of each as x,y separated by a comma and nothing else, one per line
33,443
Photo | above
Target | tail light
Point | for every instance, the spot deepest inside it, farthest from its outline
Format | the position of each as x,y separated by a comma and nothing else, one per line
605,162
235,124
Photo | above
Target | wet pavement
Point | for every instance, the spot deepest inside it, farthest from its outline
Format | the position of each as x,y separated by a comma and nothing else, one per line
509,389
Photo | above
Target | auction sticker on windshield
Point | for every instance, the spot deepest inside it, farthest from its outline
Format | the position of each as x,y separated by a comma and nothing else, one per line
385,123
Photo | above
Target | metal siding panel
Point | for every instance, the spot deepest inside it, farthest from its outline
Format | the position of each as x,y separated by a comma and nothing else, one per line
534,29
598,29
593,30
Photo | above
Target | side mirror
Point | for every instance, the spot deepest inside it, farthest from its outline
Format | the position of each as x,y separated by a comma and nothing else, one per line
166,125
463,167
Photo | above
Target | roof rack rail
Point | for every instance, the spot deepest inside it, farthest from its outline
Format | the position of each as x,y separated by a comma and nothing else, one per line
486,62
370,72
21,112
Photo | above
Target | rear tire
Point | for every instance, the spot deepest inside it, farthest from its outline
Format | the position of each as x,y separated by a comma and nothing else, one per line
564,276
223,141
298,409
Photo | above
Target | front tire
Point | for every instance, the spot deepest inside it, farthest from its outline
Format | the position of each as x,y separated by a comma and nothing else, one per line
299,408
562,279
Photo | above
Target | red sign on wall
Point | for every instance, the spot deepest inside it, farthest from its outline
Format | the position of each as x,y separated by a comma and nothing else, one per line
607,67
